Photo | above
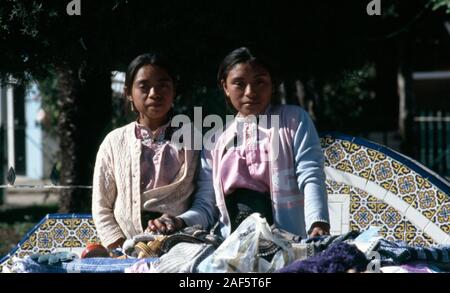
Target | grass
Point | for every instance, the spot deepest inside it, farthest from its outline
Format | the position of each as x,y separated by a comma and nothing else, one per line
15,222
11,234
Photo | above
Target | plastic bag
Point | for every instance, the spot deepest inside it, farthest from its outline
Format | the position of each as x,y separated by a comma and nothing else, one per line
251,248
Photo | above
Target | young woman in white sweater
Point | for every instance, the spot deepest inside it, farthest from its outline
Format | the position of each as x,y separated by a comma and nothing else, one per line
139,174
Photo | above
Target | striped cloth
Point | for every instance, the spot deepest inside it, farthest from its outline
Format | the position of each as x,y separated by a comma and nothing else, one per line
398,252
184,257
84,265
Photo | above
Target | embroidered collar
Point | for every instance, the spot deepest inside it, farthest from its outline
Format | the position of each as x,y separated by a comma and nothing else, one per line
148,136
246,119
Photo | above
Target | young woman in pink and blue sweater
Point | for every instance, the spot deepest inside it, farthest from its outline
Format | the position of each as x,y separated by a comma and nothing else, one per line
268,160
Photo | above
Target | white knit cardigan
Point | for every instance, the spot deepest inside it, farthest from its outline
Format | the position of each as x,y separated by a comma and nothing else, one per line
116,196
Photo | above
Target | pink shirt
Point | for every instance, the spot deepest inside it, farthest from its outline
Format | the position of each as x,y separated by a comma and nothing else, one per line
160,161
247,164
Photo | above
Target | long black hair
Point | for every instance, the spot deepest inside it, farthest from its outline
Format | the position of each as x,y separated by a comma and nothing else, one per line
151,58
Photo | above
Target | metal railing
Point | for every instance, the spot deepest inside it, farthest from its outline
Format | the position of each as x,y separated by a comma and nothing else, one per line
434,140
11,178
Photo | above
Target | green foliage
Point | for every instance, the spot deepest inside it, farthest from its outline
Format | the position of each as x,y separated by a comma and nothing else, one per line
437,4
48,88
346,100
15,222
23,17
11,234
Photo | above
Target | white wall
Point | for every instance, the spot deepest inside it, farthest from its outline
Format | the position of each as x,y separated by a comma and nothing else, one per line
33,145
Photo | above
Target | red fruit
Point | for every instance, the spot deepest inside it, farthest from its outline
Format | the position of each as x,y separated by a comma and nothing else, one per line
94,250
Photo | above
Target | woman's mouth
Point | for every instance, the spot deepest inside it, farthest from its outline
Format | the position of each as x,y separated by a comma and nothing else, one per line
154,105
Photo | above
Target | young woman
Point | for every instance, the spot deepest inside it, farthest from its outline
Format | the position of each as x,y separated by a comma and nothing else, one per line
276,169
139,174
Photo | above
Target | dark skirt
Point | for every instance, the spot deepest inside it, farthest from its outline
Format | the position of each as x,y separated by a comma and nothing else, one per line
243,202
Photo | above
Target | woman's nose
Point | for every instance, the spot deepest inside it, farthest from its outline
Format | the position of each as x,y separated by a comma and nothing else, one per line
153,93
249,91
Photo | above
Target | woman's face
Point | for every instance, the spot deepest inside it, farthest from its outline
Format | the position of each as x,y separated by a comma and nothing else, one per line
249,88
152,93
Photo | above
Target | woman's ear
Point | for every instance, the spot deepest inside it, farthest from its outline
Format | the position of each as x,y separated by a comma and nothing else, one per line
127,93
224,85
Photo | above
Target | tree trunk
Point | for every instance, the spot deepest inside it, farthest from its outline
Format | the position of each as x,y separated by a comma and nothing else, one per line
85,115
407,105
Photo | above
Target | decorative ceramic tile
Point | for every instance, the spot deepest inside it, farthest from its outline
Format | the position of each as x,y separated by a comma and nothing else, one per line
360,161
335,153
422,239
382,171
345,166
411,231
357,194
442,217
55,233
326,141
406,187
375,156
384,174
405,200
416,218
388,236
59,233
334,187
362,215
350,147
391,220
328,184
429,200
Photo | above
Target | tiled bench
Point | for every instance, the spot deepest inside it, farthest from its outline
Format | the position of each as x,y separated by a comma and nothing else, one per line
369,184
56,232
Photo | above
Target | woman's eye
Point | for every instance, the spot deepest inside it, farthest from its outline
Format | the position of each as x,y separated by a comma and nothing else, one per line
239,84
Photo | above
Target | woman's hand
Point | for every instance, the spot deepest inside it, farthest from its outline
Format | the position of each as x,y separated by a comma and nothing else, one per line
117,244
165,224
319,229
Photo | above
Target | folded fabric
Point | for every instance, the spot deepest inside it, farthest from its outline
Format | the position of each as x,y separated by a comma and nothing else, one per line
338,258
85,265
410,268
323,242
305,248
398,252
142,266
191,234
184,257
